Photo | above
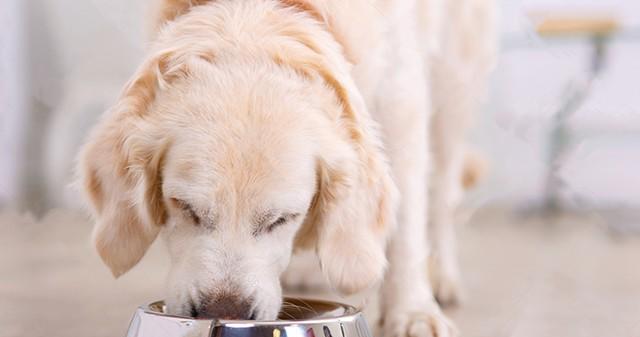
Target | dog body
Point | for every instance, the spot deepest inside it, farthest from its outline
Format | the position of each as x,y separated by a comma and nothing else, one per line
257,126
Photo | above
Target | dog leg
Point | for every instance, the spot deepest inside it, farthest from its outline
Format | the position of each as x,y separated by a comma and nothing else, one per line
455,94
408,307
457,89
448,128
444,272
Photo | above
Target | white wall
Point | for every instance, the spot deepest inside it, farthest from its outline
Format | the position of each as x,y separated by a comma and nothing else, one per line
529,84
12,95
58,57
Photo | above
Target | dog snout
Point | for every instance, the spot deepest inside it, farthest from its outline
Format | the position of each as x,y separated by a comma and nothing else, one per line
226,307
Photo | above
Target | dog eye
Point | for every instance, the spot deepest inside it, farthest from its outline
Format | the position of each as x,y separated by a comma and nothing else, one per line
186,208
283,219
279,222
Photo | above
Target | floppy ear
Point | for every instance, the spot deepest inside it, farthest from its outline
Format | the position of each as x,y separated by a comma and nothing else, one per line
120,169
354,207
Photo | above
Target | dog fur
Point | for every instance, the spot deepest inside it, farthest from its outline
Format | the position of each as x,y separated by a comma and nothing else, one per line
255,127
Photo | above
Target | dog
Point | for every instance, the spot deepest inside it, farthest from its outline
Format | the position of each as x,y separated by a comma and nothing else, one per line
257,127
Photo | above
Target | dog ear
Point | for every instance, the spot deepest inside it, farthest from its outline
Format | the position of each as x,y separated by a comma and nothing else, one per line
353,212
120,168
354,207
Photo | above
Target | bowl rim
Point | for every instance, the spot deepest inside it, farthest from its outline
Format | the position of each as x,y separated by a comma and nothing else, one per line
351,314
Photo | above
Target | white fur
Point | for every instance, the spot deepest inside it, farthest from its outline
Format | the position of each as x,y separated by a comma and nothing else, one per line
247,107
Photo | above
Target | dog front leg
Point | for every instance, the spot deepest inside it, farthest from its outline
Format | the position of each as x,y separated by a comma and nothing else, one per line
408,307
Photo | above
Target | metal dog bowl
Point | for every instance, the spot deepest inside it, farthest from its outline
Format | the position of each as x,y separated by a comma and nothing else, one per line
299,318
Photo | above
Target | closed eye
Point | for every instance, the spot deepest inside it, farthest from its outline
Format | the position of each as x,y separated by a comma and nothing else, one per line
187,209
267,227
279,222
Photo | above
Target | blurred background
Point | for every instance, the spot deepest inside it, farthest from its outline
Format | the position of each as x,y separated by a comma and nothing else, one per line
549,240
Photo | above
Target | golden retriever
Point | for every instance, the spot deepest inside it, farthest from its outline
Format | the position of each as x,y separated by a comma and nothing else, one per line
255,127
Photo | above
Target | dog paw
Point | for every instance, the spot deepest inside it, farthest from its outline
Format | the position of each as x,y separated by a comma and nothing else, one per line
445,282
422,323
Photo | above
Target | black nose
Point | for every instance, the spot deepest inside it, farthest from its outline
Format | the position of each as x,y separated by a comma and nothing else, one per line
225,307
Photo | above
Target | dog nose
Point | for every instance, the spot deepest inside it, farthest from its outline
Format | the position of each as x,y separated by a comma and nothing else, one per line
225,307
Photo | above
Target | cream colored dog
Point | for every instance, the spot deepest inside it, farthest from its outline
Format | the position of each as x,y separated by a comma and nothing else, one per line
257,126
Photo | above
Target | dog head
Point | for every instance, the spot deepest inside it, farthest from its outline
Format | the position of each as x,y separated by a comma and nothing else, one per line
234,161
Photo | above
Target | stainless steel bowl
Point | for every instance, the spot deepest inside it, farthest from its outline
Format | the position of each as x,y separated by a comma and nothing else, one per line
299,318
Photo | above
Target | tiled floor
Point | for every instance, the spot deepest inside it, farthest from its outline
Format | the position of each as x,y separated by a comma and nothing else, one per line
566,276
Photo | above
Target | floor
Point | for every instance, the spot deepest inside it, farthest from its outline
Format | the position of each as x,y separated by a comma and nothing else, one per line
524,276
